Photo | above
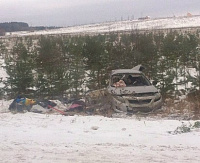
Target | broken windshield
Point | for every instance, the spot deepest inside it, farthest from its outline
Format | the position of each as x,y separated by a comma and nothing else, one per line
129,80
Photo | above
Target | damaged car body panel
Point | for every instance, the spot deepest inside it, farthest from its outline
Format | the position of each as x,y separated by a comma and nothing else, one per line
135,94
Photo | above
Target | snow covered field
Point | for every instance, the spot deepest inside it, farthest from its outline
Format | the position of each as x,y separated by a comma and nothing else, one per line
42,138
128,25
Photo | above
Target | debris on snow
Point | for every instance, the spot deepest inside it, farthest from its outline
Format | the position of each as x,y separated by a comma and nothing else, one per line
94,127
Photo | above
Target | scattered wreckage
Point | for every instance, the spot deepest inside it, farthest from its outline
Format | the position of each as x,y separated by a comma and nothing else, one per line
23,104
129,90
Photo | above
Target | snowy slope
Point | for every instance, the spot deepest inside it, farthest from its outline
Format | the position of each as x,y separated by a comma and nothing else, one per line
44,138
164,23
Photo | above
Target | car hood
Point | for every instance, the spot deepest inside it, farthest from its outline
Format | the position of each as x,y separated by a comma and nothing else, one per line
132,90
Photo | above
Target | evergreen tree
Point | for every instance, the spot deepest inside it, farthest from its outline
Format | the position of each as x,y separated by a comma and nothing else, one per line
167,63
51,63
96,59
18,67
76,69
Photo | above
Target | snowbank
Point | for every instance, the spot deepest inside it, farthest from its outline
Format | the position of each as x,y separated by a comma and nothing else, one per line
41,138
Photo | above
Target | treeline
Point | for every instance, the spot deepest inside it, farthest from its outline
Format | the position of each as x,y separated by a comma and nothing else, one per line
14,26
70,65
20,26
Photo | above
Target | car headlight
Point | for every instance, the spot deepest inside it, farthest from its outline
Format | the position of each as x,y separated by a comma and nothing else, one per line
157,97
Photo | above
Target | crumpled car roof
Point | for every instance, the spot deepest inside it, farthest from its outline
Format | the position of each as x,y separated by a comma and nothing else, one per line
136,69
119,71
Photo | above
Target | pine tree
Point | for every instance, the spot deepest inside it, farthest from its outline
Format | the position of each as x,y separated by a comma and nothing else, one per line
18,67
76,69
167,63
50,63
96,59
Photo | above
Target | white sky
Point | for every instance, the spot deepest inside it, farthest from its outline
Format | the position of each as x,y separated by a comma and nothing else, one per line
76,12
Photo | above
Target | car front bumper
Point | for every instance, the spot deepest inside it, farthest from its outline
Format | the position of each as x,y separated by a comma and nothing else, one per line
134,104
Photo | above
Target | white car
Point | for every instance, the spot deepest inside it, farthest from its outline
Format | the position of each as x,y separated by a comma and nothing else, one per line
131,91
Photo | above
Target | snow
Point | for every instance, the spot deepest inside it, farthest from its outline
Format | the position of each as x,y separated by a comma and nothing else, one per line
3,74
189,72
45,138
128,25
32,137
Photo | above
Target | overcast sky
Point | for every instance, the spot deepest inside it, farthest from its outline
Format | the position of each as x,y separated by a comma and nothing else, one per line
76,12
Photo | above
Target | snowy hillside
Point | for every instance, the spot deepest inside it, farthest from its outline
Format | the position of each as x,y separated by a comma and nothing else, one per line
164,23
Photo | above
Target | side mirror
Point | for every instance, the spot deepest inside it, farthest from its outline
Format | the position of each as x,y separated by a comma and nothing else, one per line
154,82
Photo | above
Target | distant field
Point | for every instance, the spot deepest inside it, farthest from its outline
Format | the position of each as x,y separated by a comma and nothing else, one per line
190,24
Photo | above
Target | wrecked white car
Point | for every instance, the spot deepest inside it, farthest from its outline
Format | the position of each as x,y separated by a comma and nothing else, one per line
131,91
